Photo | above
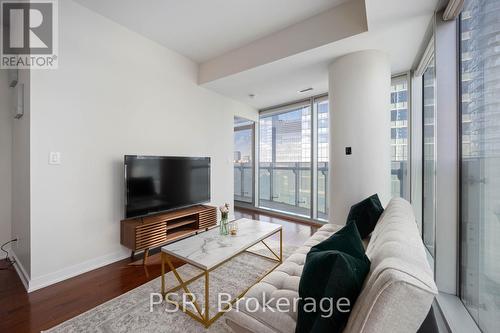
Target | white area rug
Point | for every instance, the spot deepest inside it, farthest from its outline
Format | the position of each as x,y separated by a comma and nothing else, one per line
130,312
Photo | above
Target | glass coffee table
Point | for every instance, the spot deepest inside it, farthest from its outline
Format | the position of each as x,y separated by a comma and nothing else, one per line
209,250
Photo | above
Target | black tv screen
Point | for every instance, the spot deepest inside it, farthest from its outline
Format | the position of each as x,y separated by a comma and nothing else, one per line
156,184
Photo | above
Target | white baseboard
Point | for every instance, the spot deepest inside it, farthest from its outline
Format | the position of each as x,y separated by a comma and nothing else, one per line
72,271
66,273
21,272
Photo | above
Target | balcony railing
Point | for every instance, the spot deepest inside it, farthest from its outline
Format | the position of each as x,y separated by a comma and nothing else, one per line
243,182
399,183
287,187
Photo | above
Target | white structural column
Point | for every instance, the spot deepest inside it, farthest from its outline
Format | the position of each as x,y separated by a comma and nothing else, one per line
360,119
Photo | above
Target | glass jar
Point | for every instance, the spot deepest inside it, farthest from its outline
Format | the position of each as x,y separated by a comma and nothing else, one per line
223,225
233,228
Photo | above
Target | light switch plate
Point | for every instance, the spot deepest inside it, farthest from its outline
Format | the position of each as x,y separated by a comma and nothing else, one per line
55,158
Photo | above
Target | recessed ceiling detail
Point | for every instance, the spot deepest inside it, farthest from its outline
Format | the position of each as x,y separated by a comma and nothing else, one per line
397,27
275,48
342,21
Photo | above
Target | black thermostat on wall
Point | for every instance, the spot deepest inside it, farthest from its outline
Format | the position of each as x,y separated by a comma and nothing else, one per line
348,150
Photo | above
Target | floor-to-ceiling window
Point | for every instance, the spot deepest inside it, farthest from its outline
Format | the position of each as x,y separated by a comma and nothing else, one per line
480,161
293,158
400,136
243,160
429,156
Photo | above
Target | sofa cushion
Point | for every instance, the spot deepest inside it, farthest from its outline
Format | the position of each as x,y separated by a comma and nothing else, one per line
366,214
334,269
272,286
399,288
396,295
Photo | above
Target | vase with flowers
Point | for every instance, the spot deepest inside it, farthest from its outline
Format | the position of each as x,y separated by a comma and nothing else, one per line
224,211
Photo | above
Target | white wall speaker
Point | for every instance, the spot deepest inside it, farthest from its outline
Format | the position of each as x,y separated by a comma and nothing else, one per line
19,104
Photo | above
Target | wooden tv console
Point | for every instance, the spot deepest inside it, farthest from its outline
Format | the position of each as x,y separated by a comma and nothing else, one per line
145,233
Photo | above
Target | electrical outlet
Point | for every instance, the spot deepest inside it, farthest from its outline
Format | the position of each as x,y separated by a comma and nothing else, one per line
54,158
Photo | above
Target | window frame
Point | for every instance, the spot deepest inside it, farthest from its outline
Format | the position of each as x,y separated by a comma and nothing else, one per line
252,127
432,59
460,160
409,109
446,265
315,100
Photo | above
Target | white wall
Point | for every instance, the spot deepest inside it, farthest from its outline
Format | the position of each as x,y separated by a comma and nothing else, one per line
114,93
21,183
6,157
359,85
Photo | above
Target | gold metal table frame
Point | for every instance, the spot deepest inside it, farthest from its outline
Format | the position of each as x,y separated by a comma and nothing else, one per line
204,316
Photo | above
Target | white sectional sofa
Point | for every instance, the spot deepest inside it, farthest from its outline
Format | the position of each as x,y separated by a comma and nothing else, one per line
396,296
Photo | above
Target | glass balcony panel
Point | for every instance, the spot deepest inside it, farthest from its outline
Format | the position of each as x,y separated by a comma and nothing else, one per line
237,181
265,183
284,186
322,190
248,182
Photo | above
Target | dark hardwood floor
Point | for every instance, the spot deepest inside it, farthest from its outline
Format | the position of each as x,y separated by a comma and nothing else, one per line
47,307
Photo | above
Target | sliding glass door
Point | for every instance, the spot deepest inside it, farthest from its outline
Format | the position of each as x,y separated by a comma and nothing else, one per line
480,162
285,161
243,160
294,158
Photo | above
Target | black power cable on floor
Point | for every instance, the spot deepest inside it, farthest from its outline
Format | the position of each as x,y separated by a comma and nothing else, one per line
10,262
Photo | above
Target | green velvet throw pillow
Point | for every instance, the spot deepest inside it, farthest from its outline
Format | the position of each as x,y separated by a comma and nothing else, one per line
366,214
331,281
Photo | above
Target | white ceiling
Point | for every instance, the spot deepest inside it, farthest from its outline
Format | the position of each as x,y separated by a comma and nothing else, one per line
208,30
204,29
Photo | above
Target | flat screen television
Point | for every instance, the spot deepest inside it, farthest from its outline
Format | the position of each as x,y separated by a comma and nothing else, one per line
155,184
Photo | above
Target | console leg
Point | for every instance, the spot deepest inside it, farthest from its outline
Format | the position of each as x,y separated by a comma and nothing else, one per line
146,255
